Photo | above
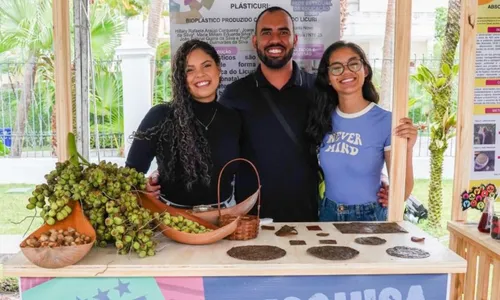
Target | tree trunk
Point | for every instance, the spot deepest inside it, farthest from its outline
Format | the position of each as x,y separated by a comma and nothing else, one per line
387,58
436,188
442,101
23,106
154,17
343,16
450,43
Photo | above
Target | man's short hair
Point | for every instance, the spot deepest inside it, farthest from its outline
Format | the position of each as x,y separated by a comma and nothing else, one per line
271,10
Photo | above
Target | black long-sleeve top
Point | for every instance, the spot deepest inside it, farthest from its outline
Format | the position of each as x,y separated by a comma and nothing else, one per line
223,139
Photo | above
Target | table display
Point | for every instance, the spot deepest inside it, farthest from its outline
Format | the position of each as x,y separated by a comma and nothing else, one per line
196,272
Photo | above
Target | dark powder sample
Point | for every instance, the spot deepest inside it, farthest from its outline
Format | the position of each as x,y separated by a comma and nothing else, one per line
333,252
297,242
314,228
357,228
328,242
323,234
407,252
370,240
267,227
256,253
286,230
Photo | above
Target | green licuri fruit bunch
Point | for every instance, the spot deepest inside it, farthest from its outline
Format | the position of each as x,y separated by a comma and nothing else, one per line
180,223
54,196
113,209
129,226
109,197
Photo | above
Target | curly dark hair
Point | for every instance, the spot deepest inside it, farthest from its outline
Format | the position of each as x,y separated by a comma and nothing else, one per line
326,99
188,148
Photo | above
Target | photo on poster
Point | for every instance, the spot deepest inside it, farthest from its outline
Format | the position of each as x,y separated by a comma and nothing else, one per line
484,134
484,161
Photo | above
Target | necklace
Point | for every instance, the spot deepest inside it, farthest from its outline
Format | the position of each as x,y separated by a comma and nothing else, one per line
206,126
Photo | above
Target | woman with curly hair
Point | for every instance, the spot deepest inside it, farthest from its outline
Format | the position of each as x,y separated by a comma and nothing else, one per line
192,137
352,136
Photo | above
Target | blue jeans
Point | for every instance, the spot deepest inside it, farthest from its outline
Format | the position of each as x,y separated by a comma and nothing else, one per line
331,211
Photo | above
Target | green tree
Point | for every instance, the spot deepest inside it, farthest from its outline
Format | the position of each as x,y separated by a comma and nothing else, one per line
439,86
439,29
26,27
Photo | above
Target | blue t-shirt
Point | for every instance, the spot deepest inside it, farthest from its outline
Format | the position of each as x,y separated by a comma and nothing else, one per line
352,157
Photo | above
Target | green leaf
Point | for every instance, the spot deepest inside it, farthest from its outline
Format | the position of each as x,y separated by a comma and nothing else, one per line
451,122
439,144
427,74
445,69
441,82
72,151
456,68
412,102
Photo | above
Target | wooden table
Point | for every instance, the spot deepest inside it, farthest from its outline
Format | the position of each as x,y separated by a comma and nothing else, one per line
208,273
471,244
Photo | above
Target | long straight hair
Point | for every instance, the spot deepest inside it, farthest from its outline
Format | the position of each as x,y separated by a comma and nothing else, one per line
326,99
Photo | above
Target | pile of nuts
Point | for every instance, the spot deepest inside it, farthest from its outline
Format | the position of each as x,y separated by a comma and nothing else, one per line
57,238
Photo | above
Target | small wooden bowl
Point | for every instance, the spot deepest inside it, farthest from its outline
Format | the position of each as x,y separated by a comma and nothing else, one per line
154,205
240,209
62,256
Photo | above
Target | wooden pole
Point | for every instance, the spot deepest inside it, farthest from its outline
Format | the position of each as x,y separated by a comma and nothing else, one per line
465,106
402,43
60,15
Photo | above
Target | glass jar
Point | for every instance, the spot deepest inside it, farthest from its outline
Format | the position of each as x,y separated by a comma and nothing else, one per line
484,225
495,225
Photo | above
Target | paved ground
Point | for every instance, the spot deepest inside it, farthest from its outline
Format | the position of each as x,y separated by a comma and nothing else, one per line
9,296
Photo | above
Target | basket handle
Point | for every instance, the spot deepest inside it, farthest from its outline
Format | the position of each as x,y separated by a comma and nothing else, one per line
258,183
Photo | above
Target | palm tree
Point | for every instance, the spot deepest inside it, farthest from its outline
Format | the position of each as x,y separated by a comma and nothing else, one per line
154,18
441,103
387,58
343,16
106,26
27,26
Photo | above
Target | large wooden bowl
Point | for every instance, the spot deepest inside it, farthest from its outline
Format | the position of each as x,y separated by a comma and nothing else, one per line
154,205
59,257
240,209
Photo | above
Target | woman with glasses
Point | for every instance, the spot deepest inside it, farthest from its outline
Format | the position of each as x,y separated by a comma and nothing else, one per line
352,136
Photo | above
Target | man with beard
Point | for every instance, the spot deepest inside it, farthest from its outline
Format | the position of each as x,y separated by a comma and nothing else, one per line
273,103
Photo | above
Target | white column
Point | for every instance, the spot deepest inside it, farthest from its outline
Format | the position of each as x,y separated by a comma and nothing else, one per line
136,59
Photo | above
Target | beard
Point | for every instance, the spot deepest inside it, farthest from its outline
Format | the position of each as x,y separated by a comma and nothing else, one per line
271,62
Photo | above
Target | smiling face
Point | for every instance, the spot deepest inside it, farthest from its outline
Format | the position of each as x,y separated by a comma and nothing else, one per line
346,71
202,76
274,39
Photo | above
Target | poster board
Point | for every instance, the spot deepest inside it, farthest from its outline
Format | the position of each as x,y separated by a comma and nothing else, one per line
485,160
229,27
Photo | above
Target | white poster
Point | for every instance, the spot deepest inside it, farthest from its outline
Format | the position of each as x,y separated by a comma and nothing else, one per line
229,26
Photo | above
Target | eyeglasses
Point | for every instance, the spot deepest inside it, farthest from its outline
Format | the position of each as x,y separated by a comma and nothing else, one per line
338,69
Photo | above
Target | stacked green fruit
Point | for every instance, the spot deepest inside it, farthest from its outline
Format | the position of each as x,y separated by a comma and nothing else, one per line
112,208
54,196
182,224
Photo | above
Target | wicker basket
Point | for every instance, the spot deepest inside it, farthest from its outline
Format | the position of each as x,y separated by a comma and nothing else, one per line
248,226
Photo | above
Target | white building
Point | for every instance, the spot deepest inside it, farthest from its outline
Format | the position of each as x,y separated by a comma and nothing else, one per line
365,25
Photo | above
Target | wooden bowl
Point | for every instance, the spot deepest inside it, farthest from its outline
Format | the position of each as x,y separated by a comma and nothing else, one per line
154,205
62,256
240,209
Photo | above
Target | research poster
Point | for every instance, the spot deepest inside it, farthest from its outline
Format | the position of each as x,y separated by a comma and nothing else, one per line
229,27
486,127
